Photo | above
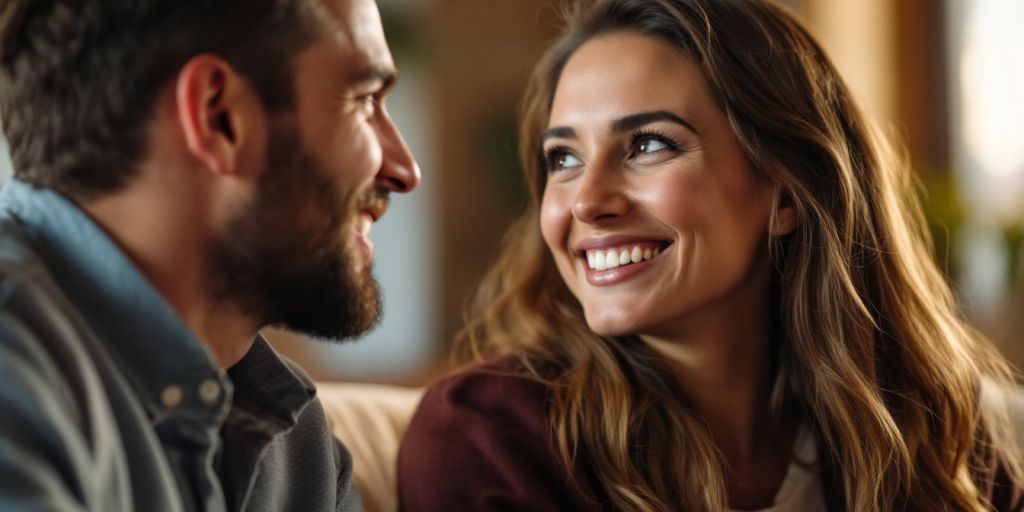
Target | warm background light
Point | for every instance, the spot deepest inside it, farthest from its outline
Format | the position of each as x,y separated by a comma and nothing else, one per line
992,102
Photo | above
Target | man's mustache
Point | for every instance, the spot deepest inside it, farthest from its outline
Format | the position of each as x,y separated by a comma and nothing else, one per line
375,201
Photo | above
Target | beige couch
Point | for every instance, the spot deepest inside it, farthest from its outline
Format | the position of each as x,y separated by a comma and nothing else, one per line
370,420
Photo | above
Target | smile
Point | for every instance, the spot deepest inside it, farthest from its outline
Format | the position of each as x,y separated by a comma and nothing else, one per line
363,224
605,259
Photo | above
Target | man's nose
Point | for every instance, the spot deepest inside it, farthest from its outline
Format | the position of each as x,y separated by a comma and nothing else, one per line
399,171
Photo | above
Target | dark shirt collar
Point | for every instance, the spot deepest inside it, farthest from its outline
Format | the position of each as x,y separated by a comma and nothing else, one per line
155,349
268,387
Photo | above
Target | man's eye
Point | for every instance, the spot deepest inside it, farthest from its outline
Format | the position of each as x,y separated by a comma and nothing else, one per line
367,102
557,159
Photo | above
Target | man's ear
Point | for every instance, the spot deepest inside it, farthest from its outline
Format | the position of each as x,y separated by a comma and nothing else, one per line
211,111
784,220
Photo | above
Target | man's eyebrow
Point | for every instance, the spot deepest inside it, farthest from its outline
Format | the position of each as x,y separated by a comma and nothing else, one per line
386,76
634,121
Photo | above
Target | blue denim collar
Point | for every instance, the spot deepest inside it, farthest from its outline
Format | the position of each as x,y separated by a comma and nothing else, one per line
146,337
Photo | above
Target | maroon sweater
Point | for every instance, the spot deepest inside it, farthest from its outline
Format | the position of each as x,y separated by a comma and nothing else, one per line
480,441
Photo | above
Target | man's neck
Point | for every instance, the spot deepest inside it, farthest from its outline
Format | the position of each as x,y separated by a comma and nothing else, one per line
162,228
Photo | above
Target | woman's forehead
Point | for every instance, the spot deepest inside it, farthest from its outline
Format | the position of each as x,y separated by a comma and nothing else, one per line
616,74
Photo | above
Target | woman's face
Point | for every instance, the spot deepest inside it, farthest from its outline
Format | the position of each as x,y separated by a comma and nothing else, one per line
651,211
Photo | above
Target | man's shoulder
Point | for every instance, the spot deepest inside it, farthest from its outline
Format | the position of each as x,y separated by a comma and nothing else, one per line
51,391
39,331
31,304
306,463
19,261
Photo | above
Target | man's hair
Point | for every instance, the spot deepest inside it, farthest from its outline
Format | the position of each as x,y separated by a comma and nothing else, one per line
79,78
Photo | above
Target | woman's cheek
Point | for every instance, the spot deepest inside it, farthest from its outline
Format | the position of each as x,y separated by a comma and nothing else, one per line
555,219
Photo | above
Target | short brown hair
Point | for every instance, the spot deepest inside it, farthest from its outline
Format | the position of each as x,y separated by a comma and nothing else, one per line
79,78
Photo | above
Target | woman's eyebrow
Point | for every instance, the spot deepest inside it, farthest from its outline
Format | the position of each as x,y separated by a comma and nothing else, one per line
558,132
634,121
623,124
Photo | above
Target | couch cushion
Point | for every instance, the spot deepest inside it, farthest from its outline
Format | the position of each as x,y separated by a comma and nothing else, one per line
370,420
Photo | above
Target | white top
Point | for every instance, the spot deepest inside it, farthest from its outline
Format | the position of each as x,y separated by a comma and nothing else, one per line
801,490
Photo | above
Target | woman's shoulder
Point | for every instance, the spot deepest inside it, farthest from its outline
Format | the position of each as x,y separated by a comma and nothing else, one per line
498,374
481,440
495,399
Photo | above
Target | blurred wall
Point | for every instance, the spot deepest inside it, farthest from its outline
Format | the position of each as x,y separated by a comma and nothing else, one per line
486,51
986,79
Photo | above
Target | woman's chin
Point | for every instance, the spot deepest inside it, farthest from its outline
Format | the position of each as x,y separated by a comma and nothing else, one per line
611,325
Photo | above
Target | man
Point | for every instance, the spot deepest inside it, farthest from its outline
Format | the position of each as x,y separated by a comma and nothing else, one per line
187,171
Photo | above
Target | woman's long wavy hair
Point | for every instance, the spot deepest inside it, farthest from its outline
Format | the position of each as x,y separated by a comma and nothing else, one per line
869,344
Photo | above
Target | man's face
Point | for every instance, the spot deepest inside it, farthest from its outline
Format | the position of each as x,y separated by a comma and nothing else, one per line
299,253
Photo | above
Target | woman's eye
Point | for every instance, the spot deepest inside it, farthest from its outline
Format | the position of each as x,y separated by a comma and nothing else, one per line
651,148
559,159
651,145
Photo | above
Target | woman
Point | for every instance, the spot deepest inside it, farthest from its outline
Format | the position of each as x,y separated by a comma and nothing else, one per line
721,297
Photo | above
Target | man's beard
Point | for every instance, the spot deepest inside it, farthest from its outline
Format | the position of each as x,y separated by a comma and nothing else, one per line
286,260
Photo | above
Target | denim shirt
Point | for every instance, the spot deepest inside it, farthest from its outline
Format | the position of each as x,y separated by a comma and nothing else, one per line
109,402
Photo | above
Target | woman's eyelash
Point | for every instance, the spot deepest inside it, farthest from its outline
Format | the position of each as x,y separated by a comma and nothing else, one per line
640,135
552,154
549,153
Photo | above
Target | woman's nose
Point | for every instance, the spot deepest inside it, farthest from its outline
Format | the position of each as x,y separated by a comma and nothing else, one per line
601,195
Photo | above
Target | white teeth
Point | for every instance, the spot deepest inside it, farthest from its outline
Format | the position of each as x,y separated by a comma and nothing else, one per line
611,259
614,258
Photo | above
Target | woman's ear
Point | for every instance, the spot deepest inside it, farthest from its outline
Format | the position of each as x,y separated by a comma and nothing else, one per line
783,220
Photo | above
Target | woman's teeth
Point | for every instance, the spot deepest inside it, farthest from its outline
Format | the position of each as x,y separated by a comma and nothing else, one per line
620,256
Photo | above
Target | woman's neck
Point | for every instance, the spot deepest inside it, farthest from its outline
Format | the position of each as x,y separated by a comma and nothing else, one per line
724,365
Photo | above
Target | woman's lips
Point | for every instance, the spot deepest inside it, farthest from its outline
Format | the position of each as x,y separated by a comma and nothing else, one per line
613,265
